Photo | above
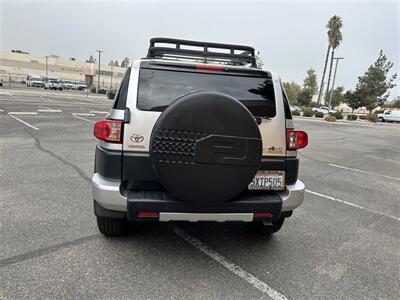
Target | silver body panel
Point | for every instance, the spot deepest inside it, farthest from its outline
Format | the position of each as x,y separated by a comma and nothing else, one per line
196,217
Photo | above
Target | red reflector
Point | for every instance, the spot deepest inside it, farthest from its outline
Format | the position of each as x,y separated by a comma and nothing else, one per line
108,130
263,214
296,139
147,214
210,68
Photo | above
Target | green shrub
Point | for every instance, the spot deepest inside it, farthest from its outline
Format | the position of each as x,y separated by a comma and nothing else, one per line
379,111
111,94
372,118
319,114
102,91
308,112
330,118
338,115
352,117
93,89
362,117
296,113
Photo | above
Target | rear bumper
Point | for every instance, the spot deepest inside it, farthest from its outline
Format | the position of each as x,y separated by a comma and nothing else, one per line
106,192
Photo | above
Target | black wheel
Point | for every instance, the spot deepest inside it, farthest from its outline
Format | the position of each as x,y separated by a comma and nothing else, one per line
111,226
264,228
380,119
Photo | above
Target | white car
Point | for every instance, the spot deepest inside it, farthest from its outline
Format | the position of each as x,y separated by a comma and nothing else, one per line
389,116
68,85
52,83
324,110
34,81
80,86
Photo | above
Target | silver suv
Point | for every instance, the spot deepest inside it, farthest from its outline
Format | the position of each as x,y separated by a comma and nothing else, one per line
197,133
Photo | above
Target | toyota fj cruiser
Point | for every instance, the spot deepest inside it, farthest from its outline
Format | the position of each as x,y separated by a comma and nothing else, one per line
197,133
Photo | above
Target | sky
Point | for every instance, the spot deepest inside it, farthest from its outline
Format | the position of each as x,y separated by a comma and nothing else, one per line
290,35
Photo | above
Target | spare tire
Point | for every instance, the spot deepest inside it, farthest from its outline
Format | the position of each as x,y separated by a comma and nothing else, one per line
206,147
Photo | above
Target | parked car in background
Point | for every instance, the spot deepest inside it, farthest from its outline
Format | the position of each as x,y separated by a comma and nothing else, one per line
295,108
34,80
67,84
324,110
52,83
389,116
80,85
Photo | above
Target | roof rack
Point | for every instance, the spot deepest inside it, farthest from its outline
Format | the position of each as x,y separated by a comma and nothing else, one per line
226,54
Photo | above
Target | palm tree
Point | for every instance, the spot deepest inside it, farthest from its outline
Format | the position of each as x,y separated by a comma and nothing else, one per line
335,37
331,23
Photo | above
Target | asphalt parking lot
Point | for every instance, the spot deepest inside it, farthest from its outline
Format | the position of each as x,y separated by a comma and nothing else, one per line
342,243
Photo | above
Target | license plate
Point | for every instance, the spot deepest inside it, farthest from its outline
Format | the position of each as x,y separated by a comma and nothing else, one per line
268,180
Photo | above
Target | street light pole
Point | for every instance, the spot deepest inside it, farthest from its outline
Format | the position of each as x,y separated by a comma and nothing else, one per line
334,78
46,65
98,77
111,77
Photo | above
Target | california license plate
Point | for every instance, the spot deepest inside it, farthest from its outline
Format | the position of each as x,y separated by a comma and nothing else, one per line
268,180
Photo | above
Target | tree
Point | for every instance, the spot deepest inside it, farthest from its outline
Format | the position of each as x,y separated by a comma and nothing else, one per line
373,87
72,58
329,25
116,64
111,63
337,96
259,61
353,99
335,37
293,91
310,82
310,87
125,62
91,60
305,97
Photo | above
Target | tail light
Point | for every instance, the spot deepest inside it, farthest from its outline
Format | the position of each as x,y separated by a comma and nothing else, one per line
210,68
296,139
108,130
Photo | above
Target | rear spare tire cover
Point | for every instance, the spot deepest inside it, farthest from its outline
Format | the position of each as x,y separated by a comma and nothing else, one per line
206,147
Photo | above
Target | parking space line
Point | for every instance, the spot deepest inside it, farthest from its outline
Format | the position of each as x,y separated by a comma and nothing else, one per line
50,110
87,120
237,270
98,112
353,205
83,114
22,113
381,158
23,122
363,171
1,110
45,107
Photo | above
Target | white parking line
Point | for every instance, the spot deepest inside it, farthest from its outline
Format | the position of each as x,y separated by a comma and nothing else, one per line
22,113
353,205
50,110
1,110
45,107
98,112
84,119
23,122
363,171
83,114
237,270
381,158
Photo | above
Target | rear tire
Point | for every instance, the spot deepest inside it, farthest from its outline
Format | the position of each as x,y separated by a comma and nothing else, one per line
111,226
261,228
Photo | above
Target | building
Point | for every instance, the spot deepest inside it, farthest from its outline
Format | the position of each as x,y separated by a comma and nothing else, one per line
15,66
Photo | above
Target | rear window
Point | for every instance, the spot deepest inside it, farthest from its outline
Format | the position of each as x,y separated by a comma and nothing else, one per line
159,88
120,98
